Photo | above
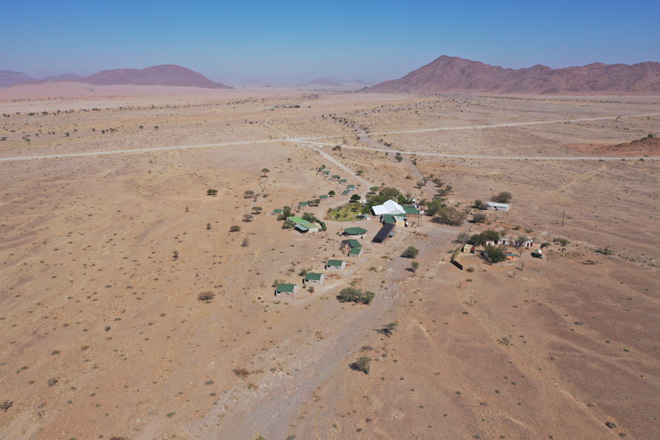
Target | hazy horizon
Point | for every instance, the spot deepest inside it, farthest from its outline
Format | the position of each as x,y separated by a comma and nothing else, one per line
295,42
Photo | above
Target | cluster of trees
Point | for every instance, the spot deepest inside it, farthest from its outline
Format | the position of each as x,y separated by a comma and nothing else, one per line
353,294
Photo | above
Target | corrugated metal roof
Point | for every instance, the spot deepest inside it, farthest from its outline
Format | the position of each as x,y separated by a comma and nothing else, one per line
312,276
335,263
286,288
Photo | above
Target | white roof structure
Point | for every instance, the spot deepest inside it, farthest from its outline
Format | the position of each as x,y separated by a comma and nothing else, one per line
497,206
390,207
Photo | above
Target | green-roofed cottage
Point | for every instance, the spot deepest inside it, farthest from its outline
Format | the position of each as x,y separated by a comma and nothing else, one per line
314,278
350,187
323,196
353,243
355,231
355,252
344,193
286,290
303,225
338,265
343,180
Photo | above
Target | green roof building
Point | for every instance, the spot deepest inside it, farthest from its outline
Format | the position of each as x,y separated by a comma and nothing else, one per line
314,278
335,265
355,252
354,231
354,243
286,289
411,210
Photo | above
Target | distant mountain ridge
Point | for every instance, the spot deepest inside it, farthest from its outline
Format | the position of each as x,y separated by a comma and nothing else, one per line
452,74
8,78
163,75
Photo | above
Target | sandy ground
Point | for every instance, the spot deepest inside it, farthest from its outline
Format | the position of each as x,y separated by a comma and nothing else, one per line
104,334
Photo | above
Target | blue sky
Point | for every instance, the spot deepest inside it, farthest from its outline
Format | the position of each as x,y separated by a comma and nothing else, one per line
291,41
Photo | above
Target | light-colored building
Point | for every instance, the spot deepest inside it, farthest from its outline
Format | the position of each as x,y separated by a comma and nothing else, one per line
493,206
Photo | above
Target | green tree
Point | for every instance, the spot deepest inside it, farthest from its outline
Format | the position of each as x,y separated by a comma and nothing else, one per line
478,204
410,252
414,266
355,197
265,171
494,254
211,192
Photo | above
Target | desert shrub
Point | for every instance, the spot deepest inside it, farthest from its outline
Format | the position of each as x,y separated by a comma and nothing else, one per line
288,224
241,372
52,381
478,204
234,228
249,193
495,254
433,207
6,405
362,364
323,226
388,329
206,296
246,242
411,252
561,241
605,251
248,218
414,266
503,197
450,216
479,217
353,294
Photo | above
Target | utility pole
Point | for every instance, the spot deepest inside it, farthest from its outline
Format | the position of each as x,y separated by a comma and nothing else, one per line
563,214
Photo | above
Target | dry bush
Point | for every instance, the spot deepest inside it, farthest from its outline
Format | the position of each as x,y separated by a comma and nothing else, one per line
241,372
206,296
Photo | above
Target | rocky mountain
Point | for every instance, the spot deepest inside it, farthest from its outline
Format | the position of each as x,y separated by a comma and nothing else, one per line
451,74
9,78
163,75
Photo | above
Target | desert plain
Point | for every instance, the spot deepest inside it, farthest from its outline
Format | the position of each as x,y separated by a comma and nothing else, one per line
108,237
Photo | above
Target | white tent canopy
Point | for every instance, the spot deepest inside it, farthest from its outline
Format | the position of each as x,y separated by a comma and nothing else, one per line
390,207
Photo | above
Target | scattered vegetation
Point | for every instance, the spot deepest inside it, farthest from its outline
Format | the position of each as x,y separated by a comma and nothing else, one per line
388,329
414,266
234,228
6,405
211,192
